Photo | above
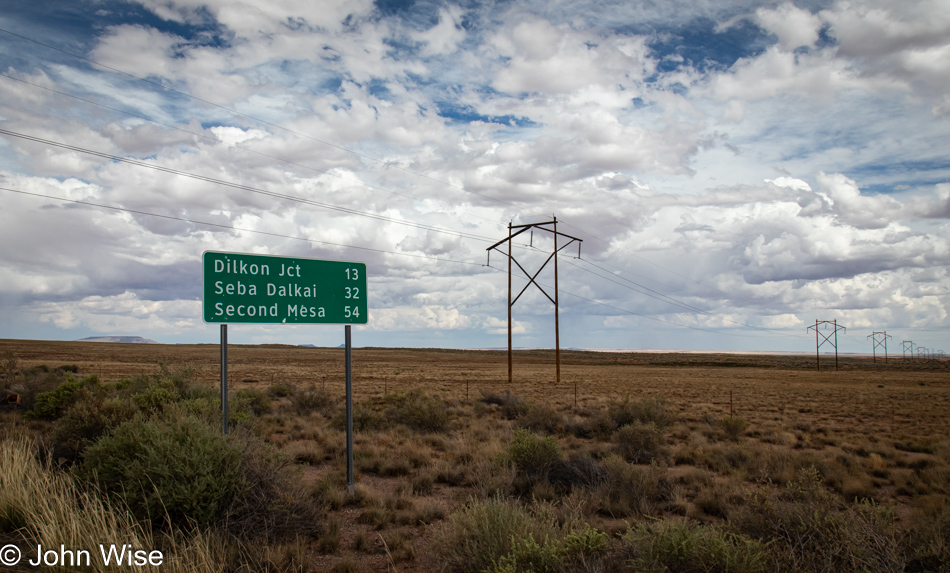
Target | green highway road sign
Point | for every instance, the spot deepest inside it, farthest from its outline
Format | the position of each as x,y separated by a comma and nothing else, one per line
239,287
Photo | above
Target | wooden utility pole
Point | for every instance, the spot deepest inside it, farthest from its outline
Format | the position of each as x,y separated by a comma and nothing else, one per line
557,325
514,231
509,303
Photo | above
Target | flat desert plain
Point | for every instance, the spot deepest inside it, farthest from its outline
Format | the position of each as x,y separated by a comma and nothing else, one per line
906,399
730,425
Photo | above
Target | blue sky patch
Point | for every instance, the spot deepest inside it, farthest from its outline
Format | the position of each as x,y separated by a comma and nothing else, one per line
467,114
698,45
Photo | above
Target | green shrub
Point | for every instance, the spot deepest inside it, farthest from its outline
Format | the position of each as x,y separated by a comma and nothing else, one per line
252,401
86,421
584,543
51,405
512,407
481,533
810,529
579,547
156,393
632,490
280,390
314,400
928,542
650,410
208,408
274,502
727,459
365,419
541,418
598,425
418,411
529,555
732,427
181,375
718,499
28,383
579,470
498,536
178,466
675,546
638,442
532,454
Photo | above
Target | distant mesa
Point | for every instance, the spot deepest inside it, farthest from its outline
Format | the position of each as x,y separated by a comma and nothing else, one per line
127,339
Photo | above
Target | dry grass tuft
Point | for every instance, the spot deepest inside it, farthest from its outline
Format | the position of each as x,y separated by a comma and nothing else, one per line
48,508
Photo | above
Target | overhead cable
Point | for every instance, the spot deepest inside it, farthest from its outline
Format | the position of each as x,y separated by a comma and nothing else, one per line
240,186
250,117
234,228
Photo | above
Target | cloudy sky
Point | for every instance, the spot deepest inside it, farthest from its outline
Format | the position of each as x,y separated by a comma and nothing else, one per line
736,170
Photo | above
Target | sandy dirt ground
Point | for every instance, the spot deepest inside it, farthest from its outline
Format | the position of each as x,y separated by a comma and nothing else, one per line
862,400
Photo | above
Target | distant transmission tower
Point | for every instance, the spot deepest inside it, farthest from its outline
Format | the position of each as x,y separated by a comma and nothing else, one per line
907,346
879,339
826,338
512,233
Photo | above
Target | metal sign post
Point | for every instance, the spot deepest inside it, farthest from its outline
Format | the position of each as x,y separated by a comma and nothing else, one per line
349,413
224,378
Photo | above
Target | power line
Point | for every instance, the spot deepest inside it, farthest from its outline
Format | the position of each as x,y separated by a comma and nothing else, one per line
201,135
646,290
217,140
255,190
343,245
659,266
633,313
662,297
233,228
670,300
250,117
241,186
657,295
300,134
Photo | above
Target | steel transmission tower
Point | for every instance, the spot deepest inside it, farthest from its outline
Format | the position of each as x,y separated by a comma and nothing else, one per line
879,339
514,231
907,346
826,338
